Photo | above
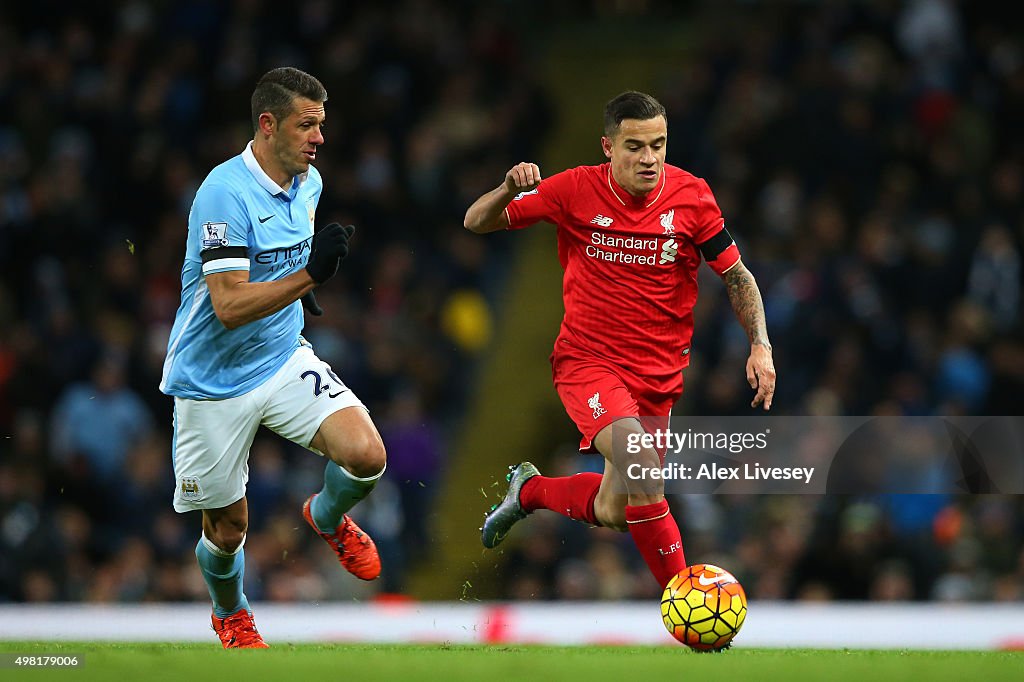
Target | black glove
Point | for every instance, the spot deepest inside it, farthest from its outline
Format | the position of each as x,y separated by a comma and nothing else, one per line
329,248
310,304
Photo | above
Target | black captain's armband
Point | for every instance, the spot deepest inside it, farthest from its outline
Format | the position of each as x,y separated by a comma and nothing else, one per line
222,252
713,248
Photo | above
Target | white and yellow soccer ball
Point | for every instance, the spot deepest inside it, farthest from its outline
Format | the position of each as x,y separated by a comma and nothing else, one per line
704,606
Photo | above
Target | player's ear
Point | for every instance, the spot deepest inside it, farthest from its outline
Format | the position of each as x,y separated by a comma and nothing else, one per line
267,123
606,146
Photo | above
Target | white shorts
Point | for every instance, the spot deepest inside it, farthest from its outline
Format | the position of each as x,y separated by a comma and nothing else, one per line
210,449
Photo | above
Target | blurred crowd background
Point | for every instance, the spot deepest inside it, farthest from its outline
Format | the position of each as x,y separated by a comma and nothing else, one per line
867,157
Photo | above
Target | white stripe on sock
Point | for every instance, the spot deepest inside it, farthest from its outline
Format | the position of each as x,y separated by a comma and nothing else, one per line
217,551
363,480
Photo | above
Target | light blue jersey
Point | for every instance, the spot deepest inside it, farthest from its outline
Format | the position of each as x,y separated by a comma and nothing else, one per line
240,220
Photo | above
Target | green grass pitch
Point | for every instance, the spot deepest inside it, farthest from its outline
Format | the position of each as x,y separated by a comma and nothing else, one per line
352,663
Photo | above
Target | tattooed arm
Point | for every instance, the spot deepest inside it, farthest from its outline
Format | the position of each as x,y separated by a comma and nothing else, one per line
746,303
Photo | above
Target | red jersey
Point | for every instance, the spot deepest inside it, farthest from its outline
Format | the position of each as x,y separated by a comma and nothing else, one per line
630,264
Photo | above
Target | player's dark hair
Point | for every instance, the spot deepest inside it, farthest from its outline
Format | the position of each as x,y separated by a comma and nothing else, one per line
630,104
278,88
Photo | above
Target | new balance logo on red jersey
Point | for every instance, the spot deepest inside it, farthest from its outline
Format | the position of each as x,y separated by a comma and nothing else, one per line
595,405
602,221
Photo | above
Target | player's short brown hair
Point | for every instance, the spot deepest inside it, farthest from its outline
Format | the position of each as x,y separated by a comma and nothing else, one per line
631,104
278,88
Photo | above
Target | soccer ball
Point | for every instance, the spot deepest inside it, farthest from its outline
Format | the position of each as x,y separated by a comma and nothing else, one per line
703,607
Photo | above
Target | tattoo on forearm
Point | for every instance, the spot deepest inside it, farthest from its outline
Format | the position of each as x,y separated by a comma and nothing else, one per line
746,303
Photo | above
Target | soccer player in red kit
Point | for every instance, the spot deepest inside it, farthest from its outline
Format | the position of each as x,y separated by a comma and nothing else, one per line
631,235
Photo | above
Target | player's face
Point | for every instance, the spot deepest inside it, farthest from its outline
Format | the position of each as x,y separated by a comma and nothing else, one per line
299,135
637,153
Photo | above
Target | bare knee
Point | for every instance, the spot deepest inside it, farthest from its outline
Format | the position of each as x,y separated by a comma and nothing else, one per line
229,541
363,456
227,534
369,461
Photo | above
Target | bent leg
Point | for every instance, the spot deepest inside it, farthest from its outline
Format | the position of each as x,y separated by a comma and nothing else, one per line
349,439
638,504
573,496
591,394
357,457
617,490
310,405
597,499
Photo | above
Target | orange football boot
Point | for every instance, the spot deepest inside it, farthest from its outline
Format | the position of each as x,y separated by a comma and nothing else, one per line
355,550
238,631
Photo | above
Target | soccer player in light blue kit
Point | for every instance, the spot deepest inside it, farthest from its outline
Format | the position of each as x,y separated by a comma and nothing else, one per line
236,359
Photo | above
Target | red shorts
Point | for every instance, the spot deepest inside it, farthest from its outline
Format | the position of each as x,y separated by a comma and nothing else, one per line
596,393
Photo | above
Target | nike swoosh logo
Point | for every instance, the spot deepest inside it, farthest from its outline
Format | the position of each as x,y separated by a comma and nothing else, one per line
263,220
705,582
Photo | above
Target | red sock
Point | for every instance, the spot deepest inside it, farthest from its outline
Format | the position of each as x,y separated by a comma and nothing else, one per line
572,496
657,537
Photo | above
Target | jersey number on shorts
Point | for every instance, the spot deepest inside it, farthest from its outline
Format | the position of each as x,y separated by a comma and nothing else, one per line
318,383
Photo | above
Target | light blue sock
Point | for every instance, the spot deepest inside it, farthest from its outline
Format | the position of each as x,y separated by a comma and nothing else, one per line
341,492
223,574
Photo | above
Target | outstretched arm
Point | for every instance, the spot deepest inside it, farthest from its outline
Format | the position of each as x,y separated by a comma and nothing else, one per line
746,303
487,214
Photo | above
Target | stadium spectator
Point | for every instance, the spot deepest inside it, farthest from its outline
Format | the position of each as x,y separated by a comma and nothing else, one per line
99,421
